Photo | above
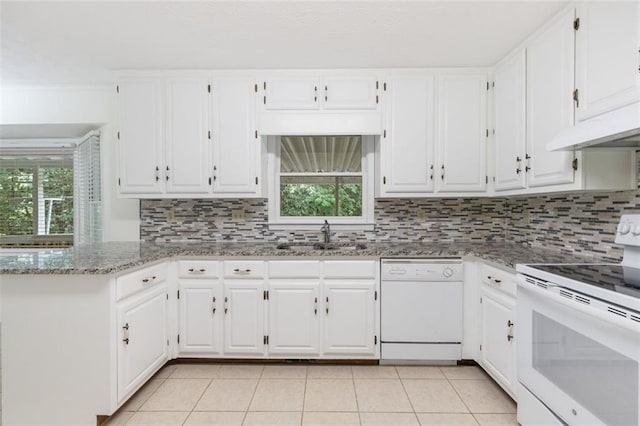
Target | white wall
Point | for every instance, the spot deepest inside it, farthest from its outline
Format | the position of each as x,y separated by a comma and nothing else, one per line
79,105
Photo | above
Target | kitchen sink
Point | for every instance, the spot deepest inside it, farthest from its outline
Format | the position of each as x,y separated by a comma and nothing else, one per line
320,246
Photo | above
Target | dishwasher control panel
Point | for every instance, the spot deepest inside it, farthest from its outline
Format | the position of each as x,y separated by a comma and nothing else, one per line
421,270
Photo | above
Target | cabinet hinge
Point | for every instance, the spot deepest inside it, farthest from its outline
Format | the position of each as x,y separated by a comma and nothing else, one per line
208,134
117,89
384,179
486,179
178,339
574,164
264,85
208,88
118,181
487,85
480,348
209,181
178,294
255,87
481,300
493,84
265,295
576,24
377,85
256,180
375,340
375,295
487,133
384,133
265,340
376,98
167,342
118,135
384,86
167,296
576,97
264,100
255,134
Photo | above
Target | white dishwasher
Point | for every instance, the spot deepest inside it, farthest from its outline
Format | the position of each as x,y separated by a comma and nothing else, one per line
421,310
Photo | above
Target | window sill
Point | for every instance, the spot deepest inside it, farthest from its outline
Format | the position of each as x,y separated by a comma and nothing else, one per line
315,226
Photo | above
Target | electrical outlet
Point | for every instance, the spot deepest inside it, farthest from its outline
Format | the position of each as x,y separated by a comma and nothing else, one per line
238,215
171,216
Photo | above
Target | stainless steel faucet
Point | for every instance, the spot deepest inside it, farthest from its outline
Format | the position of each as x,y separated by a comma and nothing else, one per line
326,230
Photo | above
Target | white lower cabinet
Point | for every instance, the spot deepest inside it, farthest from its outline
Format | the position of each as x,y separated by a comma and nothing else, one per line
294,317
143,345
497,323
243,308
349,317
201,313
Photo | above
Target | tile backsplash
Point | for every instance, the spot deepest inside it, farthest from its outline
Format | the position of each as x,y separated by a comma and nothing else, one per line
581,223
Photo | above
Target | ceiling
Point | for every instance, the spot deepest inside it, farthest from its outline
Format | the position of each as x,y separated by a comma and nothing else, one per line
83,42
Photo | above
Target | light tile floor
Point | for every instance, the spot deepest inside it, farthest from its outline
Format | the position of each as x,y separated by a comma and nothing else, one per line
286,394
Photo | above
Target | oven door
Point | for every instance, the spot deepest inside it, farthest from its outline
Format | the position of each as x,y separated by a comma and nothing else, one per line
581,362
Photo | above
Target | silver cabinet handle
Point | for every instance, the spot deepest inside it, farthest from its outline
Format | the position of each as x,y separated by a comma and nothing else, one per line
149,279
442,172
157,173
326,93
226,307
242,271
196,271
315,306
125,334
327,305
213,308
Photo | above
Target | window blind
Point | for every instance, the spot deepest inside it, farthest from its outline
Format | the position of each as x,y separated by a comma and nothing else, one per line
87,194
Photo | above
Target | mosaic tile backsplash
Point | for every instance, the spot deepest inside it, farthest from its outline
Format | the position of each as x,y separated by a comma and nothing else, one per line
574,223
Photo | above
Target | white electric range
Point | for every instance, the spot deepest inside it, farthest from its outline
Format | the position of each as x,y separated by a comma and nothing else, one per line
579,339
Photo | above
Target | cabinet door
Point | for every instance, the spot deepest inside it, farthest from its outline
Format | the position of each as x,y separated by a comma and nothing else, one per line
348,317
142,338
140,136
407,143
292,92
607,44
509,107
549,108
349,92
498,349
462,127
236,146
243,307
294,317
201,312
187,169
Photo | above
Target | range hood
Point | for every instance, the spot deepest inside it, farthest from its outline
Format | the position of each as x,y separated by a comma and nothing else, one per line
616,129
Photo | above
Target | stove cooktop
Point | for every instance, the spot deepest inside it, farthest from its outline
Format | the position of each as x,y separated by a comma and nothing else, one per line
611,277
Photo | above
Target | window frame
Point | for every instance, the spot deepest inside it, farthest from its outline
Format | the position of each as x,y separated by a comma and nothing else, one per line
363,222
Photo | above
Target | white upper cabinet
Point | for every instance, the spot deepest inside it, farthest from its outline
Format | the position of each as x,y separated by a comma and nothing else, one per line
550,70
140,144
188,165
320,90
236,145
462,132
509,136
406,146
607,56
343,91
291,92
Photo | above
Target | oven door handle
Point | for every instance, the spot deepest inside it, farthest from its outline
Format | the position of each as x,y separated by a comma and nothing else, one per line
614,319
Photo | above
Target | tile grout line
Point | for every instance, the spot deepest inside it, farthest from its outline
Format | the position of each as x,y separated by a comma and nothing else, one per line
199,399
304,393
253,395
355,393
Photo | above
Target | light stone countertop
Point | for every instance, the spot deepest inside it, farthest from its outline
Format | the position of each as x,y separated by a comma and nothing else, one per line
115,257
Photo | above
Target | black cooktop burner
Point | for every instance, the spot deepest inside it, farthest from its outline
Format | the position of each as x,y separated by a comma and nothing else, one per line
621,279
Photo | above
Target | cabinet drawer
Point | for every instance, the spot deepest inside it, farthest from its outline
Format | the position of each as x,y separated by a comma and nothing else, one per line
350,269
198,269
139,280
294,269
244,269
499,279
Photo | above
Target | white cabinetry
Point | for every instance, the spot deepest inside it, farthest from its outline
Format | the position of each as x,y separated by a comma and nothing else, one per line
187,168
294,317
141,317
244,307
407,145
462,132
236,146
201,308
607,57
498,329
320,90
509,105
140,133
550,70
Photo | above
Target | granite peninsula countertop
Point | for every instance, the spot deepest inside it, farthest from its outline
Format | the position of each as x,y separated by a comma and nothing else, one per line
115,257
